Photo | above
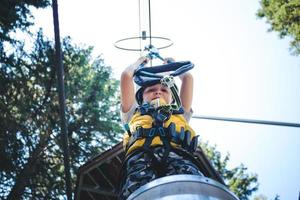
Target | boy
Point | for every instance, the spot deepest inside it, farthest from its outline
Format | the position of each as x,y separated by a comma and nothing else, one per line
155,146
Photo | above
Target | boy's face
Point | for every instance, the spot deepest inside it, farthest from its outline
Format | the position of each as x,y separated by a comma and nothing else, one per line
157,91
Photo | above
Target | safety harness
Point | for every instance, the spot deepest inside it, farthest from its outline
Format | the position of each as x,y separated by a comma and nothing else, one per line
167,135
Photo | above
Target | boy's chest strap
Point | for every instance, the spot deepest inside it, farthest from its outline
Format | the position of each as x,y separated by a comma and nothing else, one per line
160,114
169,134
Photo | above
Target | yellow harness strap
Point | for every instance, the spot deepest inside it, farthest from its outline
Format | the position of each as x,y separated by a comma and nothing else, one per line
146,121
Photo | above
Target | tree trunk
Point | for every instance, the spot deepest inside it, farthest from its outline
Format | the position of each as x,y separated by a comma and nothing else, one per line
22,179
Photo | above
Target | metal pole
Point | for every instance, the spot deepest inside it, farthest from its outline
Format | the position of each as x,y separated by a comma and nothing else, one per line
252,121
61,90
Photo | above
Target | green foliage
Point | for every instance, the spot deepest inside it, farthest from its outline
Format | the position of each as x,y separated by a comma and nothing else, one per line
30,143
237,178
284,17
277,197
16,15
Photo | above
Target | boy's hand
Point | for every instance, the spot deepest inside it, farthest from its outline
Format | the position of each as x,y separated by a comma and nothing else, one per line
142,61
169,60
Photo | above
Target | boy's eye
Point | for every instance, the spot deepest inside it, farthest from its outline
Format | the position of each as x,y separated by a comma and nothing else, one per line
150,90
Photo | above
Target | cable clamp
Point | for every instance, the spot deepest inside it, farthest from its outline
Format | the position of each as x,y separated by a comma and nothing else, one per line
168,81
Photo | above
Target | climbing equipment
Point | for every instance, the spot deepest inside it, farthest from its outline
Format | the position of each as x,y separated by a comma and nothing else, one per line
169,82
160,125
145,76
148,76
167,135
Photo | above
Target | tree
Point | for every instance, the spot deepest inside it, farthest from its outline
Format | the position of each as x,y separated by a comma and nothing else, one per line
30,144
16,15
238,180
277,197
284,17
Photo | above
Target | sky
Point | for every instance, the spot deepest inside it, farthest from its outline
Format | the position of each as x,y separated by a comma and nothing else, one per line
241,71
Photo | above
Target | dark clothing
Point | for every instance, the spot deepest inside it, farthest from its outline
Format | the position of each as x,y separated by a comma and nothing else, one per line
143,166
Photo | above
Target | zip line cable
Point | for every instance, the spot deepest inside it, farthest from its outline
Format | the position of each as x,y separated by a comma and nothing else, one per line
144,15
140,28
150,33
62,107
249,121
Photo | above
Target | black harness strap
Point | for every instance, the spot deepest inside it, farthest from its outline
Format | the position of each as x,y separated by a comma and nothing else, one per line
167,135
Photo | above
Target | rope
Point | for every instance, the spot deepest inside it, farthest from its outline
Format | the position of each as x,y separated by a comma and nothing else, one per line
140,29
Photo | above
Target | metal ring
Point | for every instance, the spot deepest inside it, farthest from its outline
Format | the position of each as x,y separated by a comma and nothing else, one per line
157,188
116,44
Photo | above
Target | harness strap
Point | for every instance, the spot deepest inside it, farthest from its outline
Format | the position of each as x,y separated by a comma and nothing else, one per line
146,109
169,82
144,76
167,146
167,135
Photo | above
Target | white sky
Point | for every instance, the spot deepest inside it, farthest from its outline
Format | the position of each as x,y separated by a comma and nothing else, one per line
241,71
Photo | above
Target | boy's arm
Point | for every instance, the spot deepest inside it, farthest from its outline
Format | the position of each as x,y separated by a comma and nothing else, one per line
127,85
186,90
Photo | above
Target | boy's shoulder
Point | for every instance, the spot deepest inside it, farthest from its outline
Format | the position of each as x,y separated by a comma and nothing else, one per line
126,116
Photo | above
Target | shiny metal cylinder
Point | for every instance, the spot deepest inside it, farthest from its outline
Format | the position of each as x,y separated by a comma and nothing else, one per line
183,187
